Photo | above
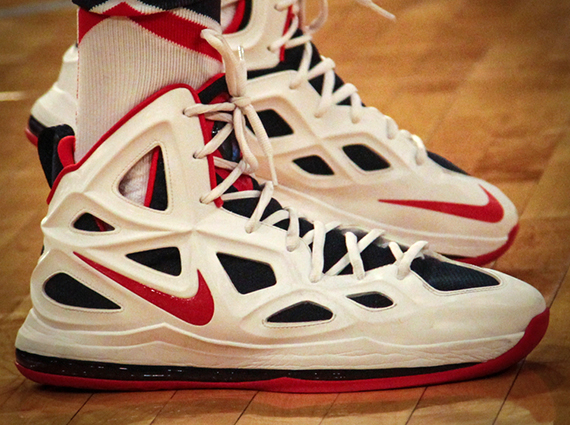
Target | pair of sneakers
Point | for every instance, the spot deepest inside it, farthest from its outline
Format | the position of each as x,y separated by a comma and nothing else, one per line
213,283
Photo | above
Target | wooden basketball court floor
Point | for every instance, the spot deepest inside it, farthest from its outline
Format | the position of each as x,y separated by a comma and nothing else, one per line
485,83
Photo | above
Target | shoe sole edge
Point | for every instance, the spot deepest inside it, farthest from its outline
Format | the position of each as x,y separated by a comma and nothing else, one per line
532,336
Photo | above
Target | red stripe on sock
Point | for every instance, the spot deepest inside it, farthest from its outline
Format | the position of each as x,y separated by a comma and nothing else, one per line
122,9
86,21
177,30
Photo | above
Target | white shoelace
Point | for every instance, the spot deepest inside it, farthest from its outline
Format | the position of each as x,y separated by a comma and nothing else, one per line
330,96
233,113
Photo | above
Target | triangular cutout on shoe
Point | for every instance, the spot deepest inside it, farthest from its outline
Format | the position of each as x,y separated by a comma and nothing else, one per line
247,275
365,158
145,183
275,125
165,260
374,300
314,164
89,223
303,312
67,290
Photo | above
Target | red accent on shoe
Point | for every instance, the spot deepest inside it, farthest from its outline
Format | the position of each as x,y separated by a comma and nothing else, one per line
66,151
197,310
491,212
532,336
244,181
177,30
85,21
237,19
151,177
493,255
103,227
290,16
31,136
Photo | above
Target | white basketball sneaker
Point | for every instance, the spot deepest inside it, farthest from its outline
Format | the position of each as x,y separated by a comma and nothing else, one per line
335,157
213,284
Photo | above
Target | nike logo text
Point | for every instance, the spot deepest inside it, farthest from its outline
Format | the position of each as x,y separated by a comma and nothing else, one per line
491,212
197,310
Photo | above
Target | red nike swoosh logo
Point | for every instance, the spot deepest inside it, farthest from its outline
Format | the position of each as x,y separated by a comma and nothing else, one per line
197,310
491,212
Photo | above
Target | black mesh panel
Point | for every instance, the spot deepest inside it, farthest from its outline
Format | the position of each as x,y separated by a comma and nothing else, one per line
450,277
165,260
306,311
90,223
314,165
66,290
159,200
247,275
372,300
365,158
445,163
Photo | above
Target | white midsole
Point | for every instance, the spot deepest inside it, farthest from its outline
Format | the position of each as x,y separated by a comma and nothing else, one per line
165,345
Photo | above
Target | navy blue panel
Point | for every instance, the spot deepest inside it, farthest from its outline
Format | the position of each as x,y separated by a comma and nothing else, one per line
66,290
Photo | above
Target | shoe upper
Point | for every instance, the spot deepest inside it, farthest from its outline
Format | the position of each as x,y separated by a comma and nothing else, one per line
211,271
330,148
336,158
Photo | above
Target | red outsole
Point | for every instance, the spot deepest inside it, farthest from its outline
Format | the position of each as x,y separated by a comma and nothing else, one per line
532,336
31,136
493,255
